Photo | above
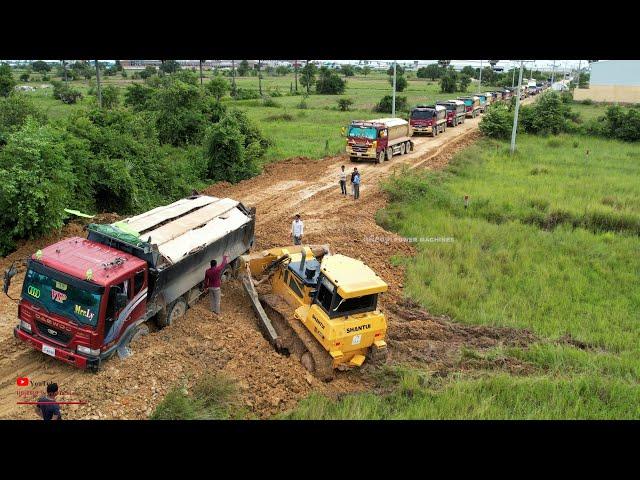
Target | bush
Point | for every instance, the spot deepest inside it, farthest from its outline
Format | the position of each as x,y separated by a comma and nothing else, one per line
344,104
7,82
233,147
330,83
401,83
65,93
138,96
385,104
246,94
24,77
621,125
303,103
448,82
36,182
14,111
218,87
181,118
497,122
548,115
269,102
110,96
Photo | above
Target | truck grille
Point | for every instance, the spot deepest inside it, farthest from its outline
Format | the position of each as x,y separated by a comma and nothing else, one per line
60,336
359,148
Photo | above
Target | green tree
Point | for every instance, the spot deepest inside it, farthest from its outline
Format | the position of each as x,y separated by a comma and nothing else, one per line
40,66
308,76
385,104
432,71
218,87
110,96
399,70
65,93
14,111
401,82
347,70
148,72
170,66
181,118
232,148
497,122
24,77
36,183
138,96
465,80
366,70
330,83
7,82
243,68
344,104
448,82
469,71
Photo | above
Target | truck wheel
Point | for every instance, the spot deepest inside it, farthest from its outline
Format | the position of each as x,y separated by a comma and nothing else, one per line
176,310
408,147
353,159
389,153
434,131
455,122
402,148
141,331
227,274
380,157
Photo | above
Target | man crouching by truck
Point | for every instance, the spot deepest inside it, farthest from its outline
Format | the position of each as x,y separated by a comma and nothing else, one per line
212,282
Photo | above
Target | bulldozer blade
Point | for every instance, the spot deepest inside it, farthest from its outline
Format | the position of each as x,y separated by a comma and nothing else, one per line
265,323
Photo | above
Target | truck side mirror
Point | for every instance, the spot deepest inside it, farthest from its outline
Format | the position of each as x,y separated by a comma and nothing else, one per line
8,275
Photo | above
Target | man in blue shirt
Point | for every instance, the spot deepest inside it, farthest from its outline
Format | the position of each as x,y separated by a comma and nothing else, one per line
356,184
47,406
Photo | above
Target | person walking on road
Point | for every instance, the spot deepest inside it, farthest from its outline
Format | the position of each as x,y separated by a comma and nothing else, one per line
356,185
343,181
47,407
297,230
212,281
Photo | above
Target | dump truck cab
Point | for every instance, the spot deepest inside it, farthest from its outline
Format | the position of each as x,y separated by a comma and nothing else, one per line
77,294
428,119
482,98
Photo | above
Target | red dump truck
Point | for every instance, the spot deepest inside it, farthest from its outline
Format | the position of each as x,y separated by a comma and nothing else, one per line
429,119
378,139
84,299
455,112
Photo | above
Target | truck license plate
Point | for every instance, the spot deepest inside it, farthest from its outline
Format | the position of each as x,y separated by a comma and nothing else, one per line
359,154
49,350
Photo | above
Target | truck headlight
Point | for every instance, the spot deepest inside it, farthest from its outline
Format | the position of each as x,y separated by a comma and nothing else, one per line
375,144
88,351
26,326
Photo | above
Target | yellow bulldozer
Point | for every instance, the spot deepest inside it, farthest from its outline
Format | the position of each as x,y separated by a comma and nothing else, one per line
320,307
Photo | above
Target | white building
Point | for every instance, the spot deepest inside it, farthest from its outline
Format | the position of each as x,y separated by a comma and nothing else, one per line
616,81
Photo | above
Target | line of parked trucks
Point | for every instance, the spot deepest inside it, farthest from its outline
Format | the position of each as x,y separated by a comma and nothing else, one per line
380,139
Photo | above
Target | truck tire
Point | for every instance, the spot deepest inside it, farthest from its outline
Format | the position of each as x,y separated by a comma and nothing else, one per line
434,131
389,153
408,146
353,159
176,310
402,149
380,157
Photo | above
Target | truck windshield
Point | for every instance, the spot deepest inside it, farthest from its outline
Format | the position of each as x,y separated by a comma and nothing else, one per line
61,298
346,306
422,114
468,103
363,132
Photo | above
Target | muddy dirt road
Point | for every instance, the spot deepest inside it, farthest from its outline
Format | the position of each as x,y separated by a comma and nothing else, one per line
268,382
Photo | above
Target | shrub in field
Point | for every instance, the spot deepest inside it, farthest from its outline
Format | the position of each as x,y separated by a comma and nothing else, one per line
344,104
14,111
269,102
401,82
7,82
148,72
497,122
448,82
303,103
548,115
138,96
385,104
65,93
233,147
36,183
330,83
110,96
246,94
623,126
218,87
181,119
25,77
465,81
281,117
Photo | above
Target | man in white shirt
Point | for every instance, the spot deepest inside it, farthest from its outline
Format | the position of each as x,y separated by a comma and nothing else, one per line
343,181
297,230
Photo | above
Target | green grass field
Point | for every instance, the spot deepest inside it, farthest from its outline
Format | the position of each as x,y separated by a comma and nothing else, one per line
549,242
294,131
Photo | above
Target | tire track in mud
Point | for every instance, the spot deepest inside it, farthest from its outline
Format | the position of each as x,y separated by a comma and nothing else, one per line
198,343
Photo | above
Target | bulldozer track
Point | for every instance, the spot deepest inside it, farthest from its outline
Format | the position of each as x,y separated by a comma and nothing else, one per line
296,338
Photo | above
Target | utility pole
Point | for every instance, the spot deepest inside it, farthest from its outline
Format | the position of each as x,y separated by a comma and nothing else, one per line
260,77
480,80
64,67
98,84
295,71
393,104
513,78
578,80
515,115
553,73
200,72
233,74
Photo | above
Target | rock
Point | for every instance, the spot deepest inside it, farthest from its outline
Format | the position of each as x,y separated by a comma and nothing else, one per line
309,378
275,401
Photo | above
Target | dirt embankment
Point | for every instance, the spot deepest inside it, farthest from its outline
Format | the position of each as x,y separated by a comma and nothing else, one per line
269,383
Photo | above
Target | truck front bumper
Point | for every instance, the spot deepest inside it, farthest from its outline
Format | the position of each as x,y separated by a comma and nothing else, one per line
367,154
67,356
428,129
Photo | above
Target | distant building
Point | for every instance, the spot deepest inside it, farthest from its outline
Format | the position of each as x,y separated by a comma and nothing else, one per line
615,81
